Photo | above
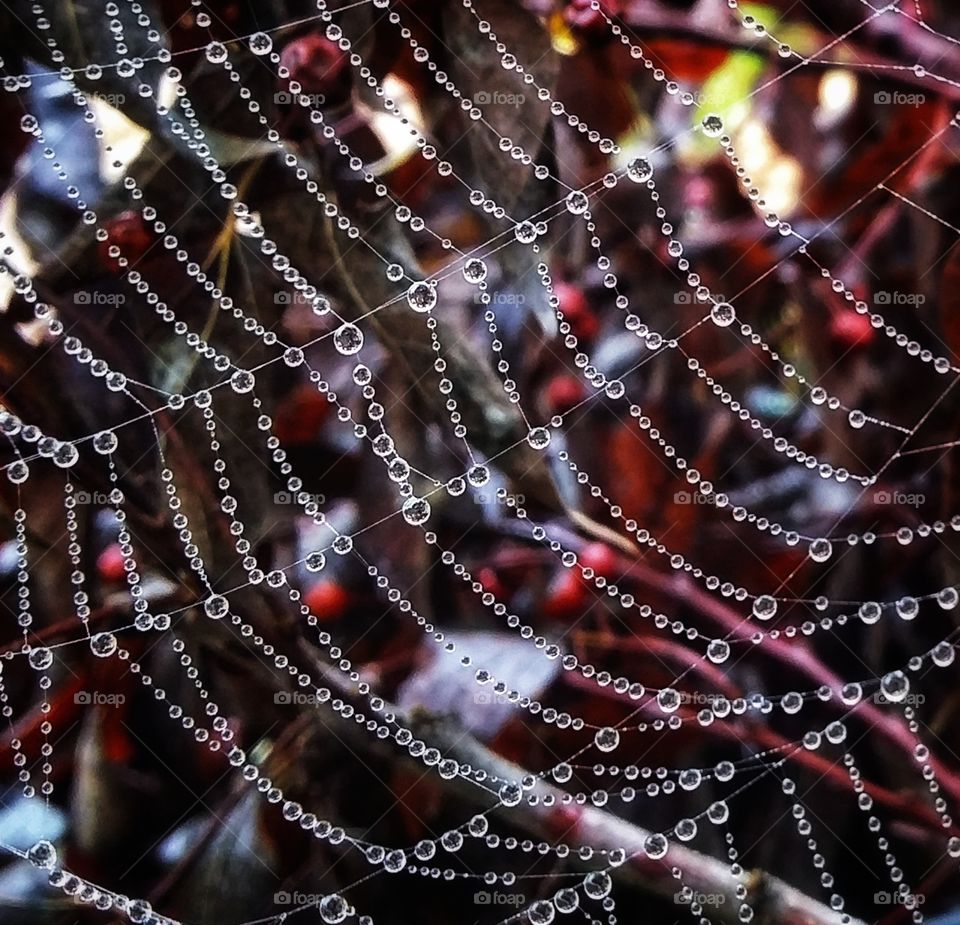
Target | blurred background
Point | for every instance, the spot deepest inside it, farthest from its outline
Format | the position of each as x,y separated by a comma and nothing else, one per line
192,189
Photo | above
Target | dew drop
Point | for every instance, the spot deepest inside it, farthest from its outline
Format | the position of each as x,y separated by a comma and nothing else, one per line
723,314
422,297
607,739
416,511
640,170
103,644
348,339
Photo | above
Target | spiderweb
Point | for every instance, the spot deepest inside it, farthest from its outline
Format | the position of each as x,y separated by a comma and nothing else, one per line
593,811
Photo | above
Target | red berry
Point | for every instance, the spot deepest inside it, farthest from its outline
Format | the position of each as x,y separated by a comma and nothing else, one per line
318,66
564,392
566,597
327,600
601,558
128,232
110,564
851,329
577,311
300,416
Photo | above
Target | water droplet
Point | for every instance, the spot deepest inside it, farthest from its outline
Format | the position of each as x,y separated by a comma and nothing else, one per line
216,607
655,846
718,651
103,644
607,739
105,442
416,511
261,43
42,855
333,909
821,550
216,52
422,297
640,170
348,339
943,654
242,381
475,270
895,686
577,202
65,455
718,812
541,913
723,314
765,607
525,232
40,658
478,476
597,884
539,438
712,125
